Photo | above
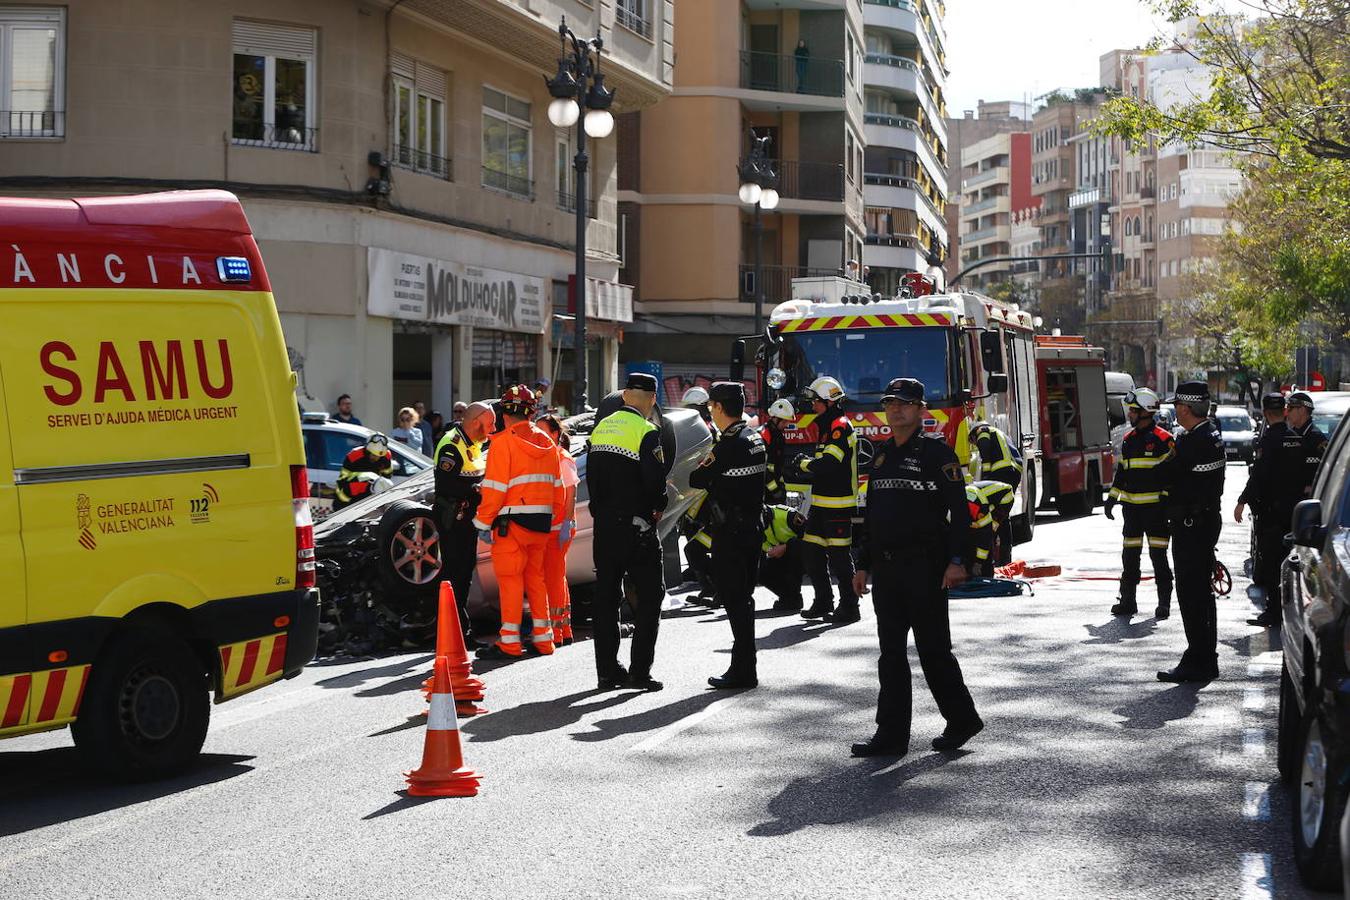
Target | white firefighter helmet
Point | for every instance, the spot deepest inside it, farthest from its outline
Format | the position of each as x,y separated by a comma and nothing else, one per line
1142,398
782,409
695,396
377,445
827,389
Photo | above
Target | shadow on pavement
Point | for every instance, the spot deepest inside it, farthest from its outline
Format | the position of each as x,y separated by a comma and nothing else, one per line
48,787
1156,710
1120,629
541,715
403,802
361,676
868,789
651,719
416,720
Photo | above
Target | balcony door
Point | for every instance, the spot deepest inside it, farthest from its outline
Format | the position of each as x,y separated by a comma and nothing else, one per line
765,71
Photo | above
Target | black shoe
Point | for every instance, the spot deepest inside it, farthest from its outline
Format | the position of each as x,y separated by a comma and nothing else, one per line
493,651
879,745
782,605
1162,612
643,683
1124,609
846,614
472,643
1266,620
707,600
1182,674
818,610
567,642
611,681
956,735
732,681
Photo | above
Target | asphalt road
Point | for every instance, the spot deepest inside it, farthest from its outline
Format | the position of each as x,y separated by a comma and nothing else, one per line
1091,779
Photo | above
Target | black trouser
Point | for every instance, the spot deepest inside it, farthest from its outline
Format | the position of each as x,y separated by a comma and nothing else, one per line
1270,554
1194,537
459,550
1145,523
907,593
734,566
828,551
1003,516
620,549
783,575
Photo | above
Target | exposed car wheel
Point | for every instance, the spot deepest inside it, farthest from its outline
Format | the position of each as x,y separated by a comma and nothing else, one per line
146,708
1318,801
410,557
1286,729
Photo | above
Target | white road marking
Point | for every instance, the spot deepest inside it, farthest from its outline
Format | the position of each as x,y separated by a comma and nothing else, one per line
1254,742
1262,669
1256,802
1256,881
684,724
1254,698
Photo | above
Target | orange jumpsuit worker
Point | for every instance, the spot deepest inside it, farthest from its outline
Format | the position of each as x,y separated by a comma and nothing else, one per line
522,489
564,529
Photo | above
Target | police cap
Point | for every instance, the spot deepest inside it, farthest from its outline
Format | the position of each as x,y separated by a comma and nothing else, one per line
1191,392
727,391
640,381
908,389
1300,398
1273,401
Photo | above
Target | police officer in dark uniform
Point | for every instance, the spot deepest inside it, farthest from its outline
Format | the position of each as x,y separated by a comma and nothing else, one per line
733,475
626,480
1193,479
460,463
1281,475
1272,412
916,544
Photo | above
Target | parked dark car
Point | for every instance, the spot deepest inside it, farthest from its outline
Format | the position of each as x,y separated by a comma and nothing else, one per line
1313,745
1238,432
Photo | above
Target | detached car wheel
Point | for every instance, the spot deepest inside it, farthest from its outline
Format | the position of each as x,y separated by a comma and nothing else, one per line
1318,801
410,554
146,709
1286,729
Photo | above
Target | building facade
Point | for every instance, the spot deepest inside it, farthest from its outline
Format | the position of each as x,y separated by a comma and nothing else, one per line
975,125
413,204
995,182
906,160
787,70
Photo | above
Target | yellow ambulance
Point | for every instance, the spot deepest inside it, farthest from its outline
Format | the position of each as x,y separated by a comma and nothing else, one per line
156,545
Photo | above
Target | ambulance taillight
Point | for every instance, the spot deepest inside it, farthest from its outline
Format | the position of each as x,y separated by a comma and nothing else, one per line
304,529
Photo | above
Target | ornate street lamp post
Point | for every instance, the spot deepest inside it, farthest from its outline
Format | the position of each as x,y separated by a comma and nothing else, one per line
759,186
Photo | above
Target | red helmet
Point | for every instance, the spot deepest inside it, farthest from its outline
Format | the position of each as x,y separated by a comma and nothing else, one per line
519,400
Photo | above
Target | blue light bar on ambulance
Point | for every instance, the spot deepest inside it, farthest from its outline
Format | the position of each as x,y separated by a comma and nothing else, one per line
234,269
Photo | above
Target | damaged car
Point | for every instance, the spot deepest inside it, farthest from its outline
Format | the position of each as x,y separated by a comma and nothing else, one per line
379,560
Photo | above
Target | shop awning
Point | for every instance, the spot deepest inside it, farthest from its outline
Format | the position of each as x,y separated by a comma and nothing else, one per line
604,299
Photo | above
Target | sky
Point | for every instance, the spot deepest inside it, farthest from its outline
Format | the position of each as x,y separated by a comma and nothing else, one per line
1019,49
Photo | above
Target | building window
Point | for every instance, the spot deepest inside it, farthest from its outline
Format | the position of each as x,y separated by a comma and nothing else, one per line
32,66
419,118
848,155
274,86
634,15
565,149
848,43
506,143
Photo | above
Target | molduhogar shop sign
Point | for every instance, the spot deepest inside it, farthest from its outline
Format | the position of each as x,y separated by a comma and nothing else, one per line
421,289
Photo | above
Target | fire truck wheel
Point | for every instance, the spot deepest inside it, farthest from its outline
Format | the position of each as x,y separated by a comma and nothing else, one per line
145,710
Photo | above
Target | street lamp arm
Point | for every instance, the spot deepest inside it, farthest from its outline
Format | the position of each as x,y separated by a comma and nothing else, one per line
993,260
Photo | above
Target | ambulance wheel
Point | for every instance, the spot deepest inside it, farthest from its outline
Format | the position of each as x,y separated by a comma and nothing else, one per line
145,710
410,560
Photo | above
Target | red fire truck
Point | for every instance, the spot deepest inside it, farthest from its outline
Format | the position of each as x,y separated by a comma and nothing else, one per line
1077,461
974,355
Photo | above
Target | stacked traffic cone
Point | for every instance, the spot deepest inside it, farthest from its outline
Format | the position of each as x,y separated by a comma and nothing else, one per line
443,773
450,644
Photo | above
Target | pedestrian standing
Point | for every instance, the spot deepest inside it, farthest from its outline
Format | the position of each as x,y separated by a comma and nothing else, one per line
1282,474
833,470
429,436
1138,487
436,424
915,545
521,492
1193,479
457,411
344,411
802,58
564,529
407,432
460,463
626,481
733,475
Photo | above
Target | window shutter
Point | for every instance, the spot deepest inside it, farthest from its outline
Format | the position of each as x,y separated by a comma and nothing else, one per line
431,80
262,39
401,65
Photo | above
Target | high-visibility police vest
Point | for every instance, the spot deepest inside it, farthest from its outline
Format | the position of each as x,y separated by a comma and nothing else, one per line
473,460
621,433
778,529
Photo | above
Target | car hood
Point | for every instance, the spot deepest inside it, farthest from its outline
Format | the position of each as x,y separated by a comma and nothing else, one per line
418,488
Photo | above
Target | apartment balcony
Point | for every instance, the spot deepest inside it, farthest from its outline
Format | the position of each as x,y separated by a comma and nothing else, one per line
895,192
904,76
1050,185
1148,195
777,281
779,81
992,175
1001,203
906,256
799,180
984,234
905,17
904,133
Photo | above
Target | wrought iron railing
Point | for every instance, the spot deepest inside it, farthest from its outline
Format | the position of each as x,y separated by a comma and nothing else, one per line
16,123
635,16
505,181
799,180
424,162
777,281
278,137
568,203
792,74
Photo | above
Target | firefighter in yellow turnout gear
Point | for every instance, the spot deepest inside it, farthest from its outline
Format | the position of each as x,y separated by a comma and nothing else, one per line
833,471
1139,487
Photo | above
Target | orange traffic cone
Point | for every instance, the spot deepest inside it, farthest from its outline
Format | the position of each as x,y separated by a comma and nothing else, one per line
450,644
443,773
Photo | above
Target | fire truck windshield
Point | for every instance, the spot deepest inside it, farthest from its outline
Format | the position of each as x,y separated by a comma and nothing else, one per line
864,360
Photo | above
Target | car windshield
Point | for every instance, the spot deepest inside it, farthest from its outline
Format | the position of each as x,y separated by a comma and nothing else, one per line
864,360
1234,422
1326,421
